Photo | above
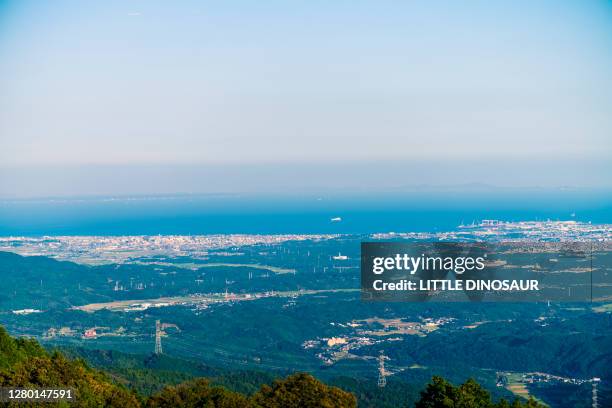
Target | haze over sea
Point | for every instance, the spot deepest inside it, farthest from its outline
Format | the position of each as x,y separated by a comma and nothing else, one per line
299,214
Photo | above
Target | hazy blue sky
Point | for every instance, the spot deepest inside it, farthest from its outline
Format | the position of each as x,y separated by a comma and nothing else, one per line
86,86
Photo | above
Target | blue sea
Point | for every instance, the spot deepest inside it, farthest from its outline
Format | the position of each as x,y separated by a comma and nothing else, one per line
300,214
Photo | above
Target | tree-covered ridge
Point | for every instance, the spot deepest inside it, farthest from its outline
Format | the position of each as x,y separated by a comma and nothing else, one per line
24,363
442,394
302,390
296,391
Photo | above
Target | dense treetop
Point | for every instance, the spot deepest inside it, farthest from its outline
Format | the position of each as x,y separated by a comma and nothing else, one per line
442,394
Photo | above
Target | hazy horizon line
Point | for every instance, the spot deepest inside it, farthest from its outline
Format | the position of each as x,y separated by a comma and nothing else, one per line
315,178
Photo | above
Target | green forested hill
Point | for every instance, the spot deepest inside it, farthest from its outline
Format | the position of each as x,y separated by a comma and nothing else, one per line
44,283
24,363
442,394
148,374
268,334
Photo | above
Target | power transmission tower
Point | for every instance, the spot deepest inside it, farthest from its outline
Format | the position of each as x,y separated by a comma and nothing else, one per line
594,381
382,379
159,332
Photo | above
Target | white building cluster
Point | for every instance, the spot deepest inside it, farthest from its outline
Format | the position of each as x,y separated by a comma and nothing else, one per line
494,230
121,249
